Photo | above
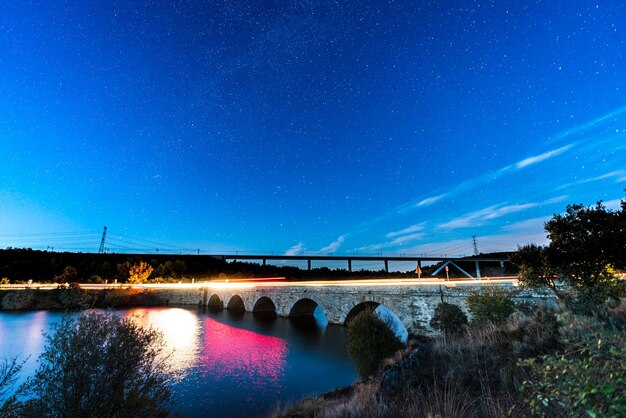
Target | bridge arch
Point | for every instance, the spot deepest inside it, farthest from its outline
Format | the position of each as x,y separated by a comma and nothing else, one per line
264,307
236,304
385,313
360,307
215,303
303,307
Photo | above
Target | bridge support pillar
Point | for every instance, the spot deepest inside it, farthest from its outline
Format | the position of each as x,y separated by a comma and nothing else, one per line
350,266
387,266
264,261
478,276
309,264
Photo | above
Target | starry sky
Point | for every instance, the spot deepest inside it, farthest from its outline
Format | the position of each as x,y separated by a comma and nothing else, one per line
316,127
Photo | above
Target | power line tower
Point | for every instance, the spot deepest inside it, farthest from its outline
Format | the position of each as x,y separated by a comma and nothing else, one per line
475,244
104,234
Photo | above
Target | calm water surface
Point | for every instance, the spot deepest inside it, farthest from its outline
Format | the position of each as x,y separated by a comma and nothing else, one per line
224,364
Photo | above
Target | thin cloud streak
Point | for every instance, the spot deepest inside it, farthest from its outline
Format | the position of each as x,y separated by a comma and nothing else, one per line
430,200
333,246
478,217
542,157
487,177
296,249
413,228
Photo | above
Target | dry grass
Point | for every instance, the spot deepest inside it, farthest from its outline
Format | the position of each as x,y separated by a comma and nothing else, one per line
477,375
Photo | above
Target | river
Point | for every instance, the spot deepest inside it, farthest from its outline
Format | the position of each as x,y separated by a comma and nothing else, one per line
224,364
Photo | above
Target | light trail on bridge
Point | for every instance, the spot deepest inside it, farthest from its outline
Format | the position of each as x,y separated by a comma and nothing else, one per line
282,282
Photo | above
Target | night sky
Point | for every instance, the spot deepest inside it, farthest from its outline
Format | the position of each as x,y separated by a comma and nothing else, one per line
306,126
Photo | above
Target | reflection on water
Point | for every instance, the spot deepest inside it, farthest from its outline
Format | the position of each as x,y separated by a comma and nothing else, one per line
224,364
181,332
240,355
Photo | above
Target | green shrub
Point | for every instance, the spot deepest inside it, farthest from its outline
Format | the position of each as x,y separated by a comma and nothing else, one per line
491,305
587,380
449,318
370,341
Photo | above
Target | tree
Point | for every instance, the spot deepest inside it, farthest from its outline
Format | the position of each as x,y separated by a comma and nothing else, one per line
370,341
9,405
139,272
100,366
179,268
584,242
449,318
586,245
69,275
535,269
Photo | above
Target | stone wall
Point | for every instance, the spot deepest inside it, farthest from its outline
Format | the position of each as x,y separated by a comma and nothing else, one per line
414,305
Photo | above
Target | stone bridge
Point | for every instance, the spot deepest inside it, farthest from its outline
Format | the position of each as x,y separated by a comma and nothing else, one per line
412,304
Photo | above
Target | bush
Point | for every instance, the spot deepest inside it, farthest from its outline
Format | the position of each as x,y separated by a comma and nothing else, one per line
95,279
491,305
449,318
74,297
589,379
100,366
370,341
69,275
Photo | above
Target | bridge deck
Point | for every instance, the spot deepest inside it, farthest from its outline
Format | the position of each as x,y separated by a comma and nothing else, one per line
351,257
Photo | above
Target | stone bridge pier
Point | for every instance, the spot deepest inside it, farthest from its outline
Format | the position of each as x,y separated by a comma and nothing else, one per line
413,305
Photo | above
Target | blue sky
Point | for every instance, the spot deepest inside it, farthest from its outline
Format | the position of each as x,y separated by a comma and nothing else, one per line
306,126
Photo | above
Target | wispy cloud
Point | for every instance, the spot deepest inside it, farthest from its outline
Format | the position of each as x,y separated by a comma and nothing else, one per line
296,249
401,240
431,200
480,216
413,228
542,157
408,238
533,224
618,175
333,246
489,177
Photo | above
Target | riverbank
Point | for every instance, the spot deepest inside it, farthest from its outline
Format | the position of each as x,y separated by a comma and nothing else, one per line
550,362
73,297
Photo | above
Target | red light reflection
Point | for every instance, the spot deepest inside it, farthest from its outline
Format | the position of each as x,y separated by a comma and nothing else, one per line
242,356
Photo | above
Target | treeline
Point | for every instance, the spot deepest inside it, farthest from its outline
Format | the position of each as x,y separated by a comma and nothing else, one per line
21,265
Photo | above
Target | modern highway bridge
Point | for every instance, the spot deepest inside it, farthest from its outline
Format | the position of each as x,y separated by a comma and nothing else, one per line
383,259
